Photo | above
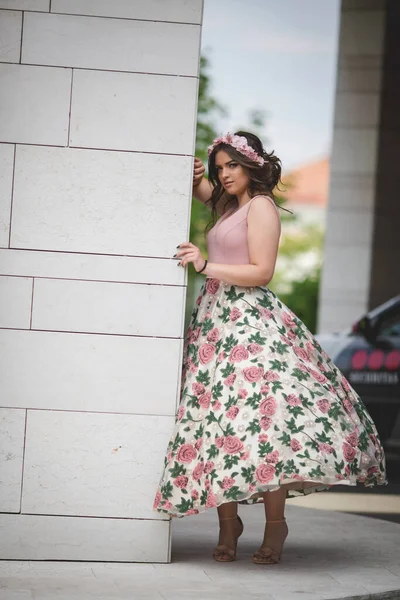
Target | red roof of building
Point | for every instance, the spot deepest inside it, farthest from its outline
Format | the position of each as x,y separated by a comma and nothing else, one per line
307,184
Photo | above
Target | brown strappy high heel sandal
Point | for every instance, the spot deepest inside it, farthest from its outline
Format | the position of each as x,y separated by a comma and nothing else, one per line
271,554
222,552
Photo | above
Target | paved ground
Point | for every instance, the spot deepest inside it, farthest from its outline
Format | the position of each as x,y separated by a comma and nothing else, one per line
328,555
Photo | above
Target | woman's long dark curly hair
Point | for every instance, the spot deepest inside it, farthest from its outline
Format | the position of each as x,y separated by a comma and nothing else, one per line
263,178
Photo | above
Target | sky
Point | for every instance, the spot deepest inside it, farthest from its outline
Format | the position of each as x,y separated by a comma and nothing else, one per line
279,56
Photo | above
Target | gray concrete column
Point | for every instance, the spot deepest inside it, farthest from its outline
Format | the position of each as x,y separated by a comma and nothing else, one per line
352,236
385,270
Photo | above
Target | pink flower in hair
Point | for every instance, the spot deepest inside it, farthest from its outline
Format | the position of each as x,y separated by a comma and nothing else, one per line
239,142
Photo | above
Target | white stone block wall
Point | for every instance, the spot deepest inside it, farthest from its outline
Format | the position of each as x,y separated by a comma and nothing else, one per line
98,107
345,285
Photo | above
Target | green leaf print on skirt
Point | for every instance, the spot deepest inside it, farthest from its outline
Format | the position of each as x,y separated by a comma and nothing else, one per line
262,406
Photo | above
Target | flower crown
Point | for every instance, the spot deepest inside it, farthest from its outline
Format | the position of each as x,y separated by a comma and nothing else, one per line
240,144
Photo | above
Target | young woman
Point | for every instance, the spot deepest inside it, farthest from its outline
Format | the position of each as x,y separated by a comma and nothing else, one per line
264,412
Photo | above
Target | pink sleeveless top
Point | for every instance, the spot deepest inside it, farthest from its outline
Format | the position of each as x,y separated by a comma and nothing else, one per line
227,240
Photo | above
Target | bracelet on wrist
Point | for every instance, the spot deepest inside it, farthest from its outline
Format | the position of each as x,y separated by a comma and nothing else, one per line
205,264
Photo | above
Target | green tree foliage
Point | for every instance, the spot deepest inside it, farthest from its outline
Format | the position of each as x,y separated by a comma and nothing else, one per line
303,298
208,109
297,285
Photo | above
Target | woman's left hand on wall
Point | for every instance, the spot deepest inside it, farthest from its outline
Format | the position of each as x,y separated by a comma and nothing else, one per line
189,253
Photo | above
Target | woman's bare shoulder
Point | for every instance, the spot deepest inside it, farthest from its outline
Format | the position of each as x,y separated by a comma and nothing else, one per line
262,202
268,197
262,208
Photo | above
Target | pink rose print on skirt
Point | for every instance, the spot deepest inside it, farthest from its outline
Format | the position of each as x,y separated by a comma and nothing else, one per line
194,335
268,406
235,314
318,376
157,499
186,453
192,511
198,471
238,353
230,380
265,312
198,388
295,445
325,448
349,452
227,483
345,384
271,376
206,353
288,320
272,457
212,285
232,444
211,501
265,473
352,439
181,481
213,335
323,405
293,400
208,467
265,423
232,413
372,470
349,408
205,400
310,348
254,348
253,374
301,353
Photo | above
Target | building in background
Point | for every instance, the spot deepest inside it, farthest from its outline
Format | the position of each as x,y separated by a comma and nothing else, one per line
306,191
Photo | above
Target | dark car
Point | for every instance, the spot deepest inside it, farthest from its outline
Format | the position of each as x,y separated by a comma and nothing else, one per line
369,356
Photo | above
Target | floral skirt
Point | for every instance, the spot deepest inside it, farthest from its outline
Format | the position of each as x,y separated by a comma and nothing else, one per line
262,406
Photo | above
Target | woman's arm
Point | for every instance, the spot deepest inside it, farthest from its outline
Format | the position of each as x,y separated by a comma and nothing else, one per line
263,240
202,188
203,193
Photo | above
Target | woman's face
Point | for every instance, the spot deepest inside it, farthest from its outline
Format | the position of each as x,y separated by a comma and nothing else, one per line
232,176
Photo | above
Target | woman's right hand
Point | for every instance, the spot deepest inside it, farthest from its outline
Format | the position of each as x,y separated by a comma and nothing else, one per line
198,171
